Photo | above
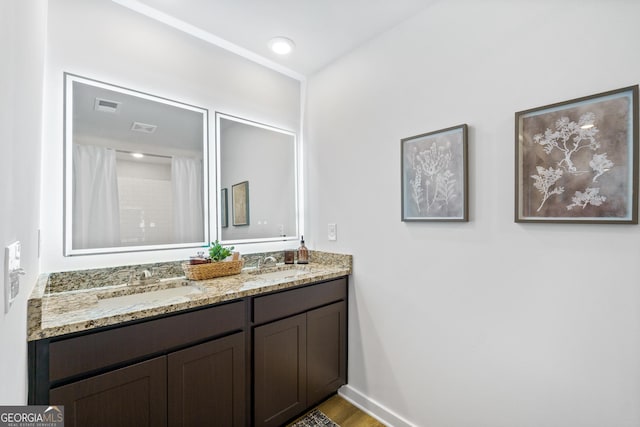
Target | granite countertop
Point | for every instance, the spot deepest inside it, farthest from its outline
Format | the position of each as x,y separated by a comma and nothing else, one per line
63,303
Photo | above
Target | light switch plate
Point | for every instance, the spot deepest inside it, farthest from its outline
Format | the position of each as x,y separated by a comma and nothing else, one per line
332,232
12,272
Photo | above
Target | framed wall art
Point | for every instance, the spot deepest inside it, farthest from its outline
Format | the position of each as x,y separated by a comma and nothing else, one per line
435,176
577,161
240,196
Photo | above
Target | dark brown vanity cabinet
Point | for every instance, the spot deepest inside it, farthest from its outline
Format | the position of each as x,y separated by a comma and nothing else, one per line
299,359
199,386
183,370
261,361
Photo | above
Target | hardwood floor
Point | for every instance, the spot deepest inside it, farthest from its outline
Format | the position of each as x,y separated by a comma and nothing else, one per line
345,414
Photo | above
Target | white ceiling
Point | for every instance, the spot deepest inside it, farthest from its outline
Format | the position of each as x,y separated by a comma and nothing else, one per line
323,30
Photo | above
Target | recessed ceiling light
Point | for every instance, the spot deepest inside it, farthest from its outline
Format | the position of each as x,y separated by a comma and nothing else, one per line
137,155
281,45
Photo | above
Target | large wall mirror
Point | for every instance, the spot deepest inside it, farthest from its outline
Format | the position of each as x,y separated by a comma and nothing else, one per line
135,170
257,179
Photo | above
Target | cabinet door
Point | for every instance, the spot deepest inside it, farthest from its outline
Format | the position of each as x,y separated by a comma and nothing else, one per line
280,365
135,396
326,351
207,384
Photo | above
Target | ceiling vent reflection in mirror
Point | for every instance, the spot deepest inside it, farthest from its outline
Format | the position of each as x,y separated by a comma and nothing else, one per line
115,203
143,127
106,105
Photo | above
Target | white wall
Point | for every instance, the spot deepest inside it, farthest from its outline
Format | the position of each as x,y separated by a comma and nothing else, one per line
22,43
104,41
486,323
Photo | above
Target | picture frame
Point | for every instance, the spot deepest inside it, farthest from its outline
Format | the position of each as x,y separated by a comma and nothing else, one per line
240,203
224,208
435,178
577,161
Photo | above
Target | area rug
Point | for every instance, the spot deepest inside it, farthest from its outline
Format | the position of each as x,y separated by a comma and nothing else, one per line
314,418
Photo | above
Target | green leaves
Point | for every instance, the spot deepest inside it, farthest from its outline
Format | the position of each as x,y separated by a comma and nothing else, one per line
217,252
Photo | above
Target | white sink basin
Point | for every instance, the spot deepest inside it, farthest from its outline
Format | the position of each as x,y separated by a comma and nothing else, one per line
160,296
282,273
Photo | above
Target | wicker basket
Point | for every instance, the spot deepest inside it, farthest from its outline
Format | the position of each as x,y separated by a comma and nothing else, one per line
212,269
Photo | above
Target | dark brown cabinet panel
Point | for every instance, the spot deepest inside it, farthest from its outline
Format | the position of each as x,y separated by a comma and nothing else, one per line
206,384
326,351
280,364
135,396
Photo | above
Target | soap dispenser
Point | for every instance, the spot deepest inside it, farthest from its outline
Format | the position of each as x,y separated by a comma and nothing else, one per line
303,252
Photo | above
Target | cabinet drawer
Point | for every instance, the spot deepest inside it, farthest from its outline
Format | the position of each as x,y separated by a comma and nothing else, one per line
86,353
286,303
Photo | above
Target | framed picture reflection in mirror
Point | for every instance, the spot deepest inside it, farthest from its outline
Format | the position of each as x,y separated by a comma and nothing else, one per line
240,195
224,208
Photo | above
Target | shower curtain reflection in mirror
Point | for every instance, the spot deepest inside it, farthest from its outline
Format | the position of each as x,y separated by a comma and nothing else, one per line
95,203
120,202
186,176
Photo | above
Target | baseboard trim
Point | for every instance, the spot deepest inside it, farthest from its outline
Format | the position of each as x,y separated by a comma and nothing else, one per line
378,411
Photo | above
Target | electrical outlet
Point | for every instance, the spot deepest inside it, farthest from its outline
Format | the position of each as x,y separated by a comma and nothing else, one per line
332,232
12,272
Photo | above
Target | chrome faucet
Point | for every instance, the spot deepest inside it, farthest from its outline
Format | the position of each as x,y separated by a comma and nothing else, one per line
263,261
146,277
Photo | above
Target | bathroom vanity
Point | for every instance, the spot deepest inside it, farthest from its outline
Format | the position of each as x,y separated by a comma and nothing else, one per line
257,348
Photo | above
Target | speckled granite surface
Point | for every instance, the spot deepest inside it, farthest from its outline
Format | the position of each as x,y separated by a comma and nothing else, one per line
67,302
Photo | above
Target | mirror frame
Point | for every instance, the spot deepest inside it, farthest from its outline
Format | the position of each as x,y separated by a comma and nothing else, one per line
68,250
219,115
